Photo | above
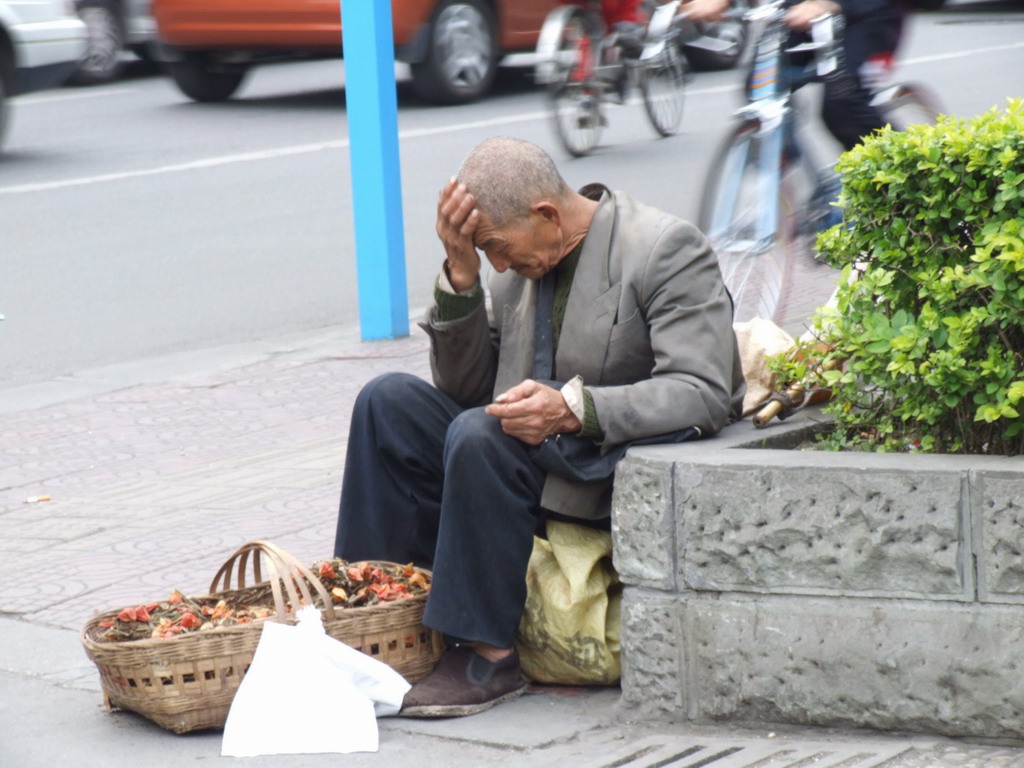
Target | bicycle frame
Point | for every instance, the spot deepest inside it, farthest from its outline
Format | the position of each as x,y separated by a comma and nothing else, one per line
660,30
550,67
768,94
757,209
768,105
582,64
588,63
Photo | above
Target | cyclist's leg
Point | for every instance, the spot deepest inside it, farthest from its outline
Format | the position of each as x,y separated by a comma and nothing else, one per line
795,75
847,110
823,213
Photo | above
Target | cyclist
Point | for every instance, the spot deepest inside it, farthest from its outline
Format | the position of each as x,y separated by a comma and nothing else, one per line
873,31
625,20
620,16
615,12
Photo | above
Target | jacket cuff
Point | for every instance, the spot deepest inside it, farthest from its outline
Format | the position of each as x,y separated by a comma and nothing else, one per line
591,426
581,403
454,305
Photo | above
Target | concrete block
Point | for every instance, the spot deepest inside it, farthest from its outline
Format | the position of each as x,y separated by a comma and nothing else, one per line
651,641
866,590
930,666
798,530
643,526
997,503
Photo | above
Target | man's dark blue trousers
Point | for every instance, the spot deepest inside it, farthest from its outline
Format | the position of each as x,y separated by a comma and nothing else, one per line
413,453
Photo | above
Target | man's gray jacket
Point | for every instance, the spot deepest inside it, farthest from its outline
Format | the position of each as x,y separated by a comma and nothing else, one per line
648,326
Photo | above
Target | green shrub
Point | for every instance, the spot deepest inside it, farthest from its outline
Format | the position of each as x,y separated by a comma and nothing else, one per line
931,304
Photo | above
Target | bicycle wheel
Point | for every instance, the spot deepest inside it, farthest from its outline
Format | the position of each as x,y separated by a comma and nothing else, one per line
751,214
574,90
907,104
661,81
576,109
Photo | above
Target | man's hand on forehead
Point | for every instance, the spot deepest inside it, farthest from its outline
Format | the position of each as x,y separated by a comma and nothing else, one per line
459,205
457,220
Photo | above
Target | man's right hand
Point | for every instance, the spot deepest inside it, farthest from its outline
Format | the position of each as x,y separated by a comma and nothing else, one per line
705,10
457,218
801,15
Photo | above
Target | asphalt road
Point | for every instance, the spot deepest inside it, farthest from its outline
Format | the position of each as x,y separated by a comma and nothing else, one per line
135,223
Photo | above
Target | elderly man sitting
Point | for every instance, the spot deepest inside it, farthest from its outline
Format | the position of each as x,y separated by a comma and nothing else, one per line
610,326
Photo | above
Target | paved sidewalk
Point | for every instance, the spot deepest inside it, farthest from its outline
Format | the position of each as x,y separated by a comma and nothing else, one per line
156,473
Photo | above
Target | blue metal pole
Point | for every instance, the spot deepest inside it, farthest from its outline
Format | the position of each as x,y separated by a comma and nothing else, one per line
372,107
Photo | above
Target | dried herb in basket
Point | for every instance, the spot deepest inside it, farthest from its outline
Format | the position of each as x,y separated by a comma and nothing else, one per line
350,585
177,615
368,584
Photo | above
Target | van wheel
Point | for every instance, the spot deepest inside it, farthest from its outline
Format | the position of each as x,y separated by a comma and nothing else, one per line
462,55
202,78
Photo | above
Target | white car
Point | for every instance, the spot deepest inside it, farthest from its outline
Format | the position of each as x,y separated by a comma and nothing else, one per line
40,44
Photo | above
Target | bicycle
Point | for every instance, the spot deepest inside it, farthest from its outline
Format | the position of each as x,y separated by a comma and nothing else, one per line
757,208
581,64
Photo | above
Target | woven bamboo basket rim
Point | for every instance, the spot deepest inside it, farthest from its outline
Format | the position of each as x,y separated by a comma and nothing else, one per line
187,682
389,613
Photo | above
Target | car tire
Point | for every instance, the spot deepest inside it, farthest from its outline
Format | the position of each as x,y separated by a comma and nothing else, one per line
145,52
105,42
202,78
735,32
462,54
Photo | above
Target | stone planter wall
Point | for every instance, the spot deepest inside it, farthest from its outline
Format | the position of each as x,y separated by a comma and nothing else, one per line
777,585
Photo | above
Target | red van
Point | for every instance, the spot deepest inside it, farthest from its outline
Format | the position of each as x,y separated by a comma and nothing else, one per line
452,46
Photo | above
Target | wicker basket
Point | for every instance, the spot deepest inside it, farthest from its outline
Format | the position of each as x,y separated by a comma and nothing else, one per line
187,683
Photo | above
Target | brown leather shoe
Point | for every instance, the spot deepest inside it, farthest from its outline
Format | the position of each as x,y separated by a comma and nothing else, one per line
464,683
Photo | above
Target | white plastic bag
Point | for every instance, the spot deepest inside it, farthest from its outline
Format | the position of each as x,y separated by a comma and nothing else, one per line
307,693
758,339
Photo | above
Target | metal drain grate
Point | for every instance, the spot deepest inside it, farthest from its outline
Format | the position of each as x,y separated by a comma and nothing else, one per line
691,752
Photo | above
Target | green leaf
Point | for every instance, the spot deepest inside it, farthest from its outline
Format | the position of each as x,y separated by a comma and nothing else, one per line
927,311
987,413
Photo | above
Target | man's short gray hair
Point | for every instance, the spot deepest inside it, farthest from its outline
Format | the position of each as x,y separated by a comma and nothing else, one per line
506,176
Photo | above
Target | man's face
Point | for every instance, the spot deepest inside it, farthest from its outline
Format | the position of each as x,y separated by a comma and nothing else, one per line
530,247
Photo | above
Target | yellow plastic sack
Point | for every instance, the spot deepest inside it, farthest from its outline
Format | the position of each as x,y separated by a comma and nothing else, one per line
569,633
